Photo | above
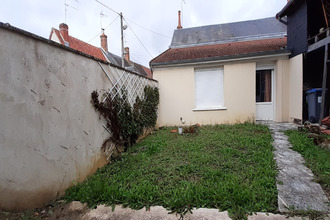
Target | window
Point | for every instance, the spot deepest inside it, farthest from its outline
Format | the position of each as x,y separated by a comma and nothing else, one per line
264,86
209,89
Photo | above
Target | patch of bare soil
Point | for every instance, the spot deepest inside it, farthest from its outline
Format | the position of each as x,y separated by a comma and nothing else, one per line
55,210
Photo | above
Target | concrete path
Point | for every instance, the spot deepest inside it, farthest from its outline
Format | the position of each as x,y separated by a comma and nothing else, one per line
77,210
295,184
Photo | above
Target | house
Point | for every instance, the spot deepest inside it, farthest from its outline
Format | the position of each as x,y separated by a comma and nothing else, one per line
229,73
309,35
62,36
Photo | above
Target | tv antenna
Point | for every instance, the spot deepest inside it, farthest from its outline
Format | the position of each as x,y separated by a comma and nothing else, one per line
101,17
182,2
66,6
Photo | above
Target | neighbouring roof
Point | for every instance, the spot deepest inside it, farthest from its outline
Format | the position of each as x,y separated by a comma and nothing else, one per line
81,46
86,48
222,51
231,32
132,66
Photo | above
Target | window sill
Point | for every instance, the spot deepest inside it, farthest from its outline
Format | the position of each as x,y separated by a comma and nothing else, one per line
264,103
210,108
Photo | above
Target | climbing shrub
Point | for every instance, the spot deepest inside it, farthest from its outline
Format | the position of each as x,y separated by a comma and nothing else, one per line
125,122
151,100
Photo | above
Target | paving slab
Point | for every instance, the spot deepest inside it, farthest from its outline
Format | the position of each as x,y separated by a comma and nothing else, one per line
77,210
271,216
154,213
295,182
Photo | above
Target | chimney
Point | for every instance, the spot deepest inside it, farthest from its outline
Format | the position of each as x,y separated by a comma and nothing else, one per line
127,55
179,26
104,41
64,31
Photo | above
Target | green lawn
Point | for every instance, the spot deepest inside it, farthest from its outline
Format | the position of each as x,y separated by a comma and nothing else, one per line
316,158
229,167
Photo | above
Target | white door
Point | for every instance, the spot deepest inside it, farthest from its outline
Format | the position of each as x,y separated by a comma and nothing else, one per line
264,95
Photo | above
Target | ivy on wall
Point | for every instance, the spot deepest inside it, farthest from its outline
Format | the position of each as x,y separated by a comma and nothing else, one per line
125,122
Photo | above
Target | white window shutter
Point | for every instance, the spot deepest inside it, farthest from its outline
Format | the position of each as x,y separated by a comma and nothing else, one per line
209,88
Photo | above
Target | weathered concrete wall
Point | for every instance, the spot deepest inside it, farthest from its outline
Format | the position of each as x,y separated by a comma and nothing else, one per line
50,135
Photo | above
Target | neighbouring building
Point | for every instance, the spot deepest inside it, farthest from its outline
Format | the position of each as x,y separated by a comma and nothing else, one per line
62,36
229,73
308,37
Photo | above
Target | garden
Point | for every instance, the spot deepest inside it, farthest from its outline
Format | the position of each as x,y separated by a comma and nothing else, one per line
228,167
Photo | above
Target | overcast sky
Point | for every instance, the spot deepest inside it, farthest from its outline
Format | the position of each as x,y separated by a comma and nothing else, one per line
150,22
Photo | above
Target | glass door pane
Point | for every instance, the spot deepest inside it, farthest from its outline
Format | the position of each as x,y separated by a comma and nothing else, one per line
264,86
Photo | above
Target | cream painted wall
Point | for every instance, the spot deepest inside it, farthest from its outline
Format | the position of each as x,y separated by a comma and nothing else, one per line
288,78
177,91
281,90
295,87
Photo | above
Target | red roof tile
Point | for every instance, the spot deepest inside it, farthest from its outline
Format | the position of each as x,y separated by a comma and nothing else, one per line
86,48
220,50
81,46
148,71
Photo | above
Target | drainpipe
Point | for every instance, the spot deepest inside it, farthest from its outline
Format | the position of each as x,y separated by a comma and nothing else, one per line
324,83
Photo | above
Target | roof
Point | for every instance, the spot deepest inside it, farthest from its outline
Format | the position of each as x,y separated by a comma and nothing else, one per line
222,51
132,66
81,46
230,32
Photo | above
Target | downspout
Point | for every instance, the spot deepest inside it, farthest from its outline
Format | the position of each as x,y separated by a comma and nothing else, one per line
325,14
324,83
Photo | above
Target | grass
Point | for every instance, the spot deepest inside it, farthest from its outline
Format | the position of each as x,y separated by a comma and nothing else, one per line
229,167
316,158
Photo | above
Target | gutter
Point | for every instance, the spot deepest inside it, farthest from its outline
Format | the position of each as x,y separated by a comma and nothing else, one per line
231,58
284,11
